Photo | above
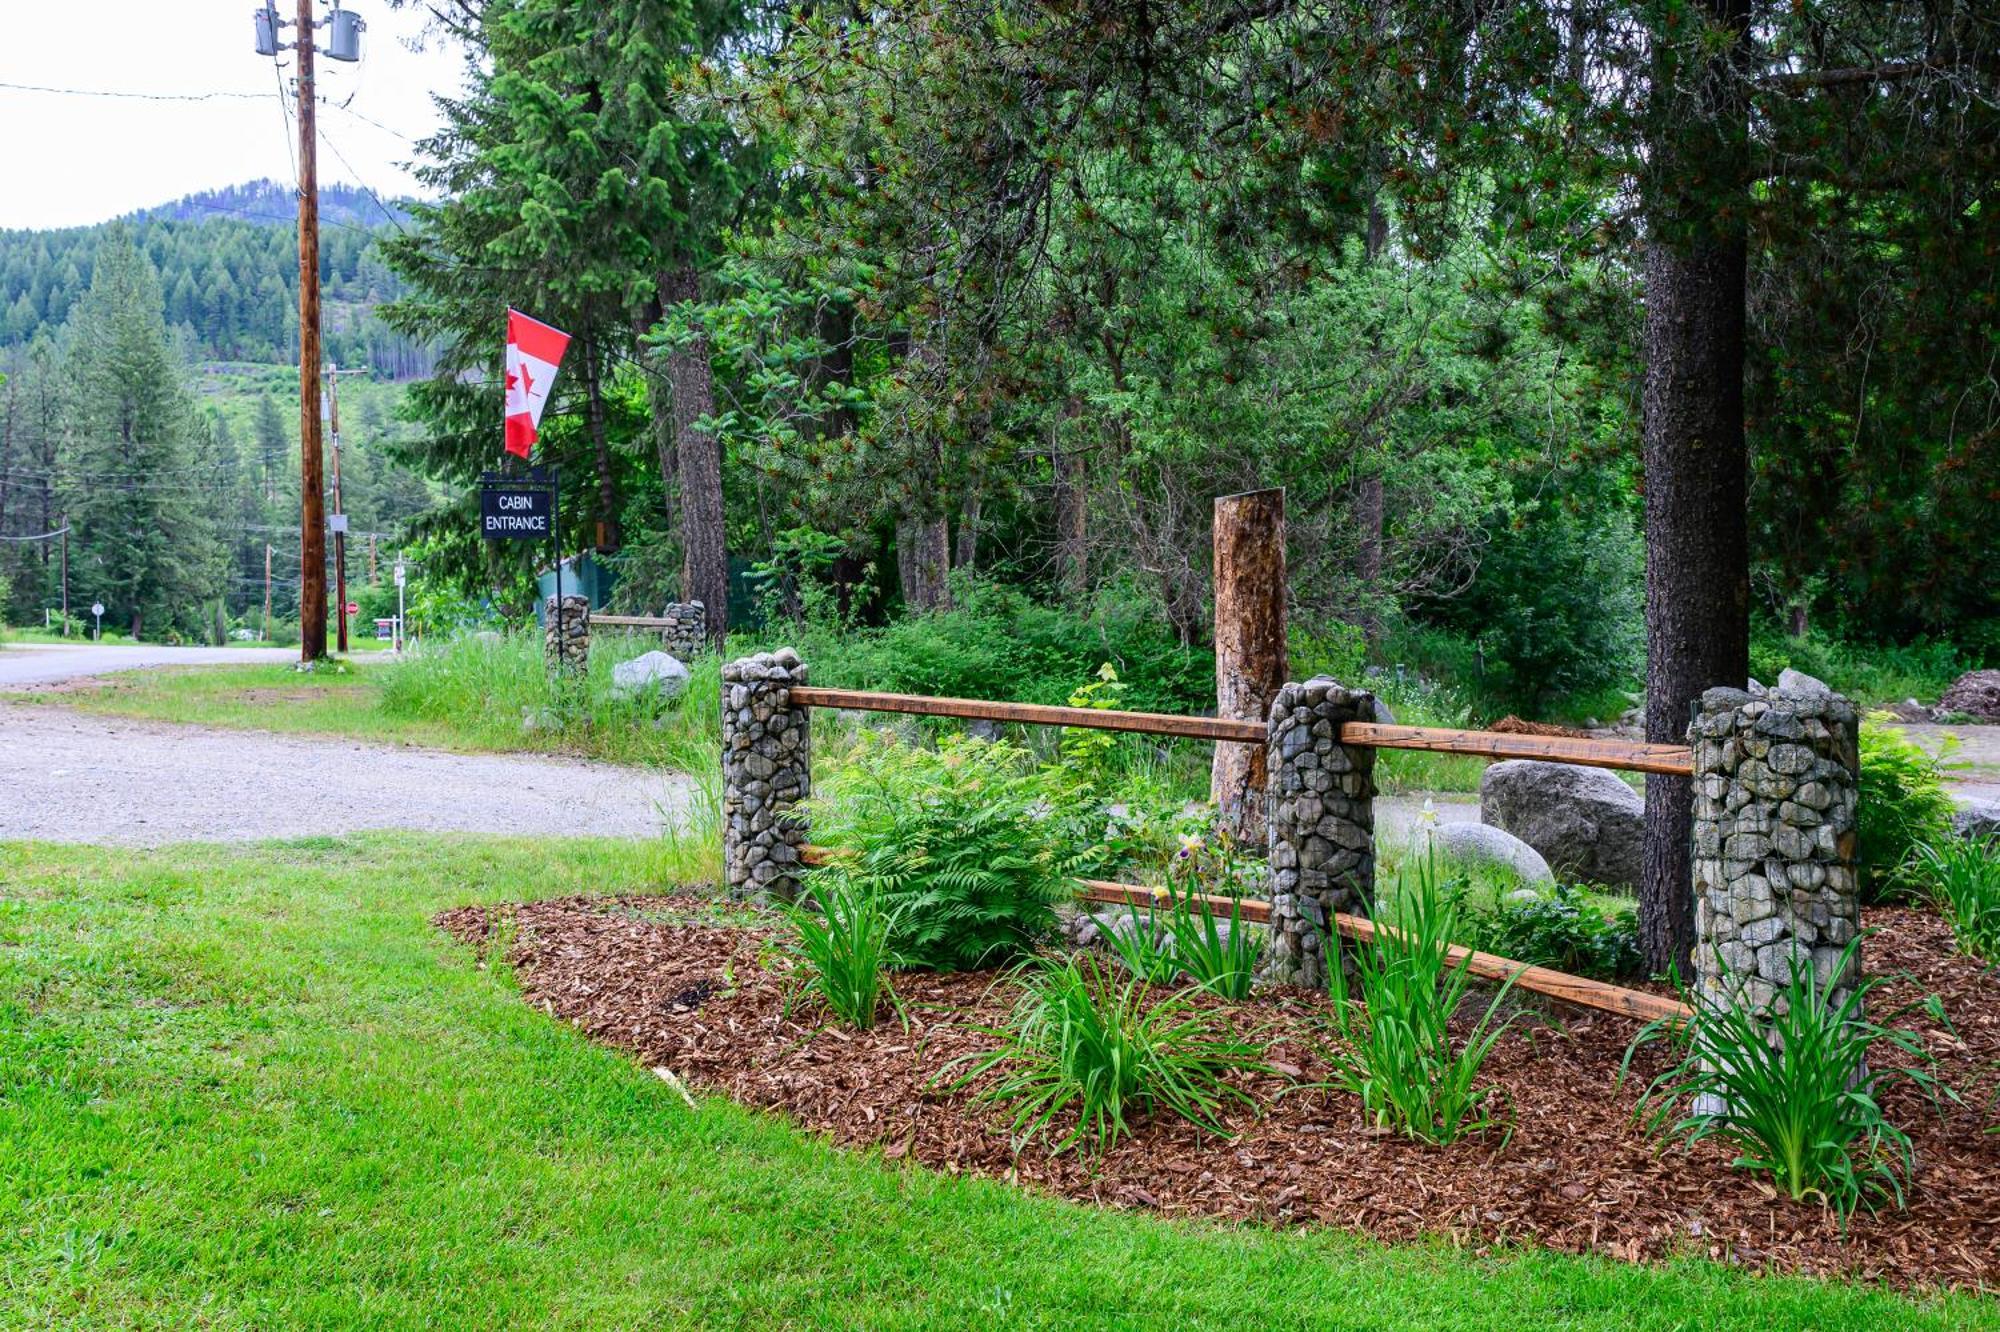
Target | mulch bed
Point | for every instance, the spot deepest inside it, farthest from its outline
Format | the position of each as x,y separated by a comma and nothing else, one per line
697,988
1512,725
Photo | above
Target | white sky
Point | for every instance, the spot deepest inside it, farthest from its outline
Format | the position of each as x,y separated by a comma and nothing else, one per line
69,160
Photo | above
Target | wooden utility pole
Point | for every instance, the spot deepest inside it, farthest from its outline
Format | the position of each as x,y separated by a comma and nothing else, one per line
65,573
312,514
371,559
266,634
1250,655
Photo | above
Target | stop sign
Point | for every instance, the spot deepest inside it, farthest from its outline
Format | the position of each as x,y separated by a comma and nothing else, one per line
354,608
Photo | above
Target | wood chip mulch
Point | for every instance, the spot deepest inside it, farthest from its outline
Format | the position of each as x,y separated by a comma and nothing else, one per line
700,990
1512,725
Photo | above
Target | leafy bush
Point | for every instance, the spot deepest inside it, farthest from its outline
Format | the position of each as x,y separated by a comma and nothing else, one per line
1963,878
1795,1089
1395,1050
1865,672
1557,927
954,844
842,947
1903,805
1083,1040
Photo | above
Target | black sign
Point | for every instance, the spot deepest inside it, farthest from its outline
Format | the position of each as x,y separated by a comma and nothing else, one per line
515,512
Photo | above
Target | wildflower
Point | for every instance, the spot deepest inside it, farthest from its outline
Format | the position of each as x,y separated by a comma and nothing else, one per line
1430,815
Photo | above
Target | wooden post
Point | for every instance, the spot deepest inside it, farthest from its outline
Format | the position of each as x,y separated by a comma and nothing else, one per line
312,512
1250,657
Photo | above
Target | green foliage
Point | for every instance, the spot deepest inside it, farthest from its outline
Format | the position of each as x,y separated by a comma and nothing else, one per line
1962,876
1219,953
1877,673
1795,1090
1560,928
840,941
1086,1043
951,841
1395,1049
1903,805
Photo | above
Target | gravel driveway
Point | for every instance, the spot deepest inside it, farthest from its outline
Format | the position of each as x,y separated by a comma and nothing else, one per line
70,777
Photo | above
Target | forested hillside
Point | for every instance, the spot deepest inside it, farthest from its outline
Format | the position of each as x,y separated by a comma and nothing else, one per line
228,269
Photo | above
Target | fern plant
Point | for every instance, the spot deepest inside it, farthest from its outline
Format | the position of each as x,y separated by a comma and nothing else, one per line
952,843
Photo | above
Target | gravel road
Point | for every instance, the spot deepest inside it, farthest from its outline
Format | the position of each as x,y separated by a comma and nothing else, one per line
23,665
71,777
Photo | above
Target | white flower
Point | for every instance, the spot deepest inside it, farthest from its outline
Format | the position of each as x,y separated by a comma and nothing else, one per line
1430,814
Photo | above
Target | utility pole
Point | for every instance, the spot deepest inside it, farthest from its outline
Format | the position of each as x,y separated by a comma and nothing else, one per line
266,634
333,374
371,559
312,508
65,573
345,44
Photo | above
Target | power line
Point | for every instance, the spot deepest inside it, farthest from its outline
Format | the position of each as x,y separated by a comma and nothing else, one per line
121,94
334,148
39,536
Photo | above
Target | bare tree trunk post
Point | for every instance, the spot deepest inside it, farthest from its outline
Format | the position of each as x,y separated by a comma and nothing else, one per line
1696,463
1250,655
923,561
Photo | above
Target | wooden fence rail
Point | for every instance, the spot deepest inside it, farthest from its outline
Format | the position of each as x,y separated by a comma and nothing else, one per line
1629,755
630,621
1578,990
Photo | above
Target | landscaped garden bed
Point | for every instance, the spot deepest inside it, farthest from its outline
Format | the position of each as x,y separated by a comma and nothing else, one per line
707,993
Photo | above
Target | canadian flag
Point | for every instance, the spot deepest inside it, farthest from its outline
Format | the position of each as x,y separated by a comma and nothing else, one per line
534,350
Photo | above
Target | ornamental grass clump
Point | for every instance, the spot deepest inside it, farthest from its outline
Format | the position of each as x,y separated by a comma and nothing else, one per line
1217,952
1795,1090
842,949
1089,1053
1395,1049
1962,877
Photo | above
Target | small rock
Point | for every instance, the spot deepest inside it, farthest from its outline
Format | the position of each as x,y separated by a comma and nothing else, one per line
1478,844
653,671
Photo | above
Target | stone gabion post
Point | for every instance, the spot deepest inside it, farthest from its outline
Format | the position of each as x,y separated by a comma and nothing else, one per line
1321,802
766,773
566,635
1775,775
686,632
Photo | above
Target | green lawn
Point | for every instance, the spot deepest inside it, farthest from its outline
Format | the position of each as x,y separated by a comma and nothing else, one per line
253,1087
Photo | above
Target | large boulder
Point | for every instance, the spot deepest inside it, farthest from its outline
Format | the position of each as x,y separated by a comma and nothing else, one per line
1798,682
1477,844
1976,819
1585,822
1976,694
656,672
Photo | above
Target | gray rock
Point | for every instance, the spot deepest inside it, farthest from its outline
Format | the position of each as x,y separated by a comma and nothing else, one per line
1798,682
1584,822
1478,844
1977,819
655,671
1383,717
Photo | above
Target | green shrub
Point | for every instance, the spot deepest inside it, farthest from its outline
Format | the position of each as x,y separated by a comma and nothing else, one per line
1084,1041
953,841
842,947
1864,672
1559,927
1794,1090
1395,1050
1903,805
1962,877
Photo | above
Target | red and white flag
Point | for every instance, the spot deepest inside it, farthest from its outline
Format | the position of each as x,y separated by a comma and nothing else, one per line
534,350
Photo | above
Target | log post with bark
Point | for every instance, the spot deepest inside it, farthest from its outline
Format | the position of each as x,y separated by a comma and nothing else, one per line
1250,655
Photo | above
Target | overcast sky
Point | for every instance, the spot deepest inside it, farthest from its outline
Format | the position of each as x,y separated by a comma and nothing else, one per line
67,160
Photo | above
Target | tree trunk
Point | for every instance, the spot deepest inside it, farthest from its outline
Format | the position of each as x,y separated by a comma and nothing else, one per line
1696,467
923,554
607,489
966,553
1368,553
1250,654
704,534
1072,506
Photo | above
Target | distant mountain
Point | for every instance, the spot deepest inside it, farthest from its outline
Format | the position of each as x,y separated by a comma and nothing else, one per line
276,203
228,269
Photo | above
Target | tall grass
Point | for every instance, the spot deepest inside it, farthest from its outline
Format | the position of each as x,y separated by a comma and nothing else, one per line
1962,876
841,944
497,688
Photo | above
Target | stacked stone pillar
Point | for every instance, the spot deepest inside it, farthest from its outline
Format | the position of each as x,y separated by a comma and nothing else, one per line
766,774
1775,777
1321,803
685,634
566,635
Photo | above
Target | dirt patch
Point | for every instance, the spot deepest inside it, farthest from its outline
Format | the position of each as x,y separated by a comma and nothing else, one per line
705,996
